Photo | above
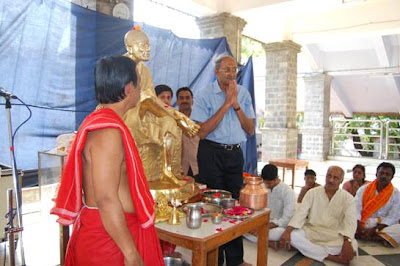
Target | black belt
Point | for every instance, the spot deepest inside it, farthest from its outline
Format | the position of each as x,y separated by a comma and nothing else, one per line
227,147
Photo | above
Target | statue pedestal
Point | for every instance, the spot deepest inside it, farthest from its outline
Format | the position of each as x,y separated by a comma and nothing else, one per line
163,191
171,190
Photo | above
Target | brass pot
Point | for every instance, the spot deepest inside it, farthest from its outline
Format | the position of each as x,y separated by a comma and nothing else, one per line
254,195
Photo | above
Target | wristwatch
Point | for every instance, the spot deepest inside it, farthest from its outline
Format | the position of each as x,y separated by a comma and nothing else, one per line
348,239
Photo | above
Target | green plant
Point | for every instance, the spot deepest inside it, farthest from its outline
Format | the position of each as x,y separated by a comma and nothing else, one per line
365,133
250,47
299,119
261,122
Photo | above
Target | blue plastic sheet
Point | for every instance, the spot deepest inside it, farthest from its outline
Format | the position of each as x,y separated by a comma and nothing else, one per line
249,147
48,49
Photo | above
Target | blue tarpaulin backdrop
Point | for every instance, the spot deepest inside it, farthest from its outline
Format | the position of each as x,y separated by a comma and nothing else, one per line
48,49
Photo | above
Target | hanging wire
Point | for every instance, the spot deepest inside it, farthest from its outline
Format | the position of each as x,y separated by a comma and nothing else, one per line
26,120
51,108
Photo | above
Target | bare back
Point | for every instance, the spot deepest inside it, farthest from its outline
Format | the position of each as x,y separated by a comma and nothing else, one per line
104,170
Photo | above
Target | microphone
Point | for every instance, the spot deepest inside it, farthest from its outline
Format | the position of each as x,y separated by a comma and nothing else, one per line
7,94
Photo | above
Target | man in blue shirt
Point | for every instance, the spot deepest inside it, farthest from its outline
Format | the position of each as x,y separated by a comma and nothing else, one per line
226,115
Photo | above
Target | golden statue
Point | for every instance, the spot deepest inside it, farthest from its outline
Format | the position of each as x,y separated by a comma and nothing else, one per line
154,125
162,209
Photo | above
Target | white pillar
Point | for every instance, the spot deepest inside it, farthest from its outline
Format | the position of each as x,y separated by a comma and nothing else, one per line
316,134
279,137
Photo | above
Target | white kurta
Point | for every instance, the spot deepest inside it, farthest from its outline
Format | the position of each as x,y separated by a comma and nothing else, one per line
282,202
325,221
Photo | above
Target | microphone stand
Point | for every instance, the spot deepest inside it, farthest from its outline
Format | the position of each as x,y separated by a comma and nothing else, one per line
16,186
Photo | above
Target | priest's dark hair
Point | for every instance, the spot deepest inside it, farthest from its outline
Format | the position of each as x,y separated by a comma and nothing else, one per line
111,75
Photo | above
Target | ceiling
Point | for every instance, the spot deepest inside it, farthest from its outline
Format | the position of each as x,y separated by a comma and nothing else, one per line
357,42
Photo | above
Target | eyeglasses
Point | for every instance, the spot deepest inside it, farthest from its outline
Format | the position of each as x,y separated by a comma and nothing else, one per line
228,70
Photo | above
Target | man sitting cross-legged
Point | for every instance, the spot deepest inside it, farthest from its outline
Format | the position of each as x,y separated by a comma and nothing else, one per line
378,208
324,225
282,203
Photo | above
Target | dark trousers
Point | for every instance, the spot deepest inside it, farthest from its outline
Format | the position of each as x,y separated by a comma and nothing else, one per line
220,168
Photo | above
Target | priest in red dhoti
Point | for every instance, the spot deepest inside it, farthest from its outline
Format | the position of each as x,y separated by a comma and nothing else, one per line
103,190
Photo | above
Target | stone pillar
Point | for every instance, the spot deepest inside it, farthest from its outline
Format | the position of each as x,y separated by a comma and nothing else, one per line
279,137
223,25
316,134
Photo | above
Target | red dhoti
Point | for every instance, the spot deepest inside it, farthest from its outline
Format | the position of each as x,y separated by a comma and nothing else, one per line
90,244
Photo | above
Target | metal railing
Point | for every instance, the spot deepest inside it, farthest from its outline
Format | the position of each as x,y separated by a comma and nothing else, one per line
355,138
392,143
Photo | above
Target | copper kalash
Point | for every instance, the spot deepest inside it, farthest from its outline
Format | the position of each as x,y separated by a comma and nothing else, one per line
157,129
254,194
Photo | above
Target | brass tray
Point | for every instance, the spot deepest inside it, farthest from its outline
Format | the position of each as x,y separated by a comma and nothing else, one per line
216,193
215,196
208,208
238,212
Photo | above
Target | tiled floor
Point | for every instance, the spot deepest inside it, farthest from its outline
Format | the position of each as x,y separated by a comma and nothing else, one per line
370,254
41,242
391,257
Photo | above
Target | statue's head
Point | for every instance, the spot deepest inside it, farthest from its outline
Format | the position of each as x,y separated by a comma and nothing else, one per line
137,44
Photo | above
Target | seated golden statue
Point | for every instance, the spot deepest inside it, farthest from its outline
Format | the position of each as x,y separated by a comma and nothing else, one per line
151,120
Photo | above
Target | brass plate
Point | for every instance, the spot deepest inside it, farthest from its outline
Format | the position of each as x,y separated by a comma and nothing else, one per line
208,209
215,196
213,193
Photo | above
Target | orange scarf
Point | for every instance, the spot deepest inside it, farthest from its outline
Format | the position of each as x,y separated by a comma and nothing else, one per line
371,202
69,199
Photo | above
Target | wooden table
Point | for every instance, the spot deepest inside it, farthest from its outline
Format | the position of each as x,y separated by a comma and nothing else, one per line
64,238
289,163
204,241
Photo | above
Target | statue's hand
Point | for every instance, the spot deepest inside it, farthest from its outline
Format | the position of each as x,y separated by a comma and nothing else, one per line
142,112
188,127
145,105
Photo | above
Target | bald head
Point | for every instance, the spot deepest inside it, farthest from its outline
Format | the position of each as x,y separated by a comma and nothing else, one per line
137,45
334,177
135,36
337,169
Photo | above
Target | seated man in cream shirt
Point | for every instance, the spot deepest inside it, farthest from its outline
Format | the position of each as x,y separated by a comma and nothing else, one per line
324,225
